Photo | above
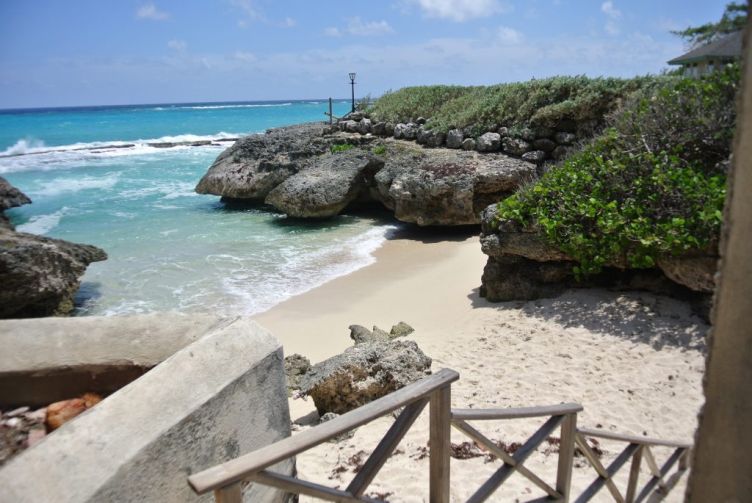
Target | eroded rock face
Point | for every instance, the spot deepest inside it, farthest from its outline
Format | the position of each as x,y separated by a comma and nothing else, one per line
427,186
364,373
256,164
447,186
522,265
40,275
11,197
330,183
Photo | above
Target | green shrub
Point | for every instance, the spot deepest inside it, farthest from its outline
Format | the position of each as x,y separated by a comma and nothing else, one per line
650,186
341,148
379,150
536,103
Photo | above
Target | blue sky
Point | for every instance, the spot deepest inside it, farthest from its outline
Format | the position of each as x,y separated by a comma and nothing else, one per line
91,52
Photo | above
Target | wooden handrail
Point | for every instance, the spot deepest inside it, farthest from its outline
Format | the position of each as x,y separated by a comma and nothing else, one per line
243,467
518,413
632,439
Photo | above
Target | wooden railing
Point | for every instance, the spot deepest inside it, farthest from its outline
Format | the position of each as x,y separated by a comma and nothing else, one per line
564,415
226,480
637,448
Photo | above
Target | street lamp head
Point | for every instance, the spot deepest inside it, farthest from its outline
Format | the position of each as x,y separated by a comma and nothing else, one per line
352,77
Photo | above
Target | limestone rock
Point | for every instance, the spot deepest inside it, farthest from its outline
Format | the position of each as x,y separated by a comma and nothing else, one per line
362,335
560,152
544,144
256,164
515,146
489,142
695,272
389,129
364,373
449,187
401,329
295,367
40,275
11,197
469,144
364,126
379,129
327,187
454,138
534,156
564,138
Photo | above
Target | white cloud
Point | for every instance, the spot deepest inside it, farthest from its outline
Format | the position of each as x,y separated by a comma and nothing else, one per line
245,57
610,10
178,45
248,8
288,23
460,10
613,14
509,36
359,28
150,11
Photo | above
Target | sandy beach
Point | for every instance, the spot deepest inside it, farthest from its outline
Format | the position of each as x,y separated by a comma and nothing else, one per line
633,360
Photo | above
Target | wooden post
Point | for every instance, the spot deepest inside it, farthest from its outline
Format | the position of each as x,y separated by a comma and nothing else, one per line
229,494
566,456
634,475
330,112
440,424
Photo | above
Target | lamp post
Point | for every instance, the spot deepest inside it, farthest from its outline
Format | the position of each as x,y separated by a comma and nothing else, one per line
352,85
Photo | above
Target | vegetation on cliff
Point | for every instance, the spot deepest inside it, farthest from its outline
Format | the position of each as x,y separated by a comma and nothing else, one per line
652,184
536,103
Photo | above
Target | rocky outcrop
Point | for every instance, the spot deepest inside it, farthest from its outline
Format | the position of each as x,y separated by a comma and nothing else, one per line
305,172
256,164
39,276
522,266
329,185
295,367
364,373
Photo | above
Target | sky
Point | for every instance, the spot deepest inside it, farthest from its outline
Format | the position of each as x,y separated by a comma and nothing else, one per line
96,52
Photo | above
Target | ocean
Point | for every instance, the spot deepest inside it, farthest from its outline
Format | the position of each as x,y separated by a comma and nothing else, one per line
94,179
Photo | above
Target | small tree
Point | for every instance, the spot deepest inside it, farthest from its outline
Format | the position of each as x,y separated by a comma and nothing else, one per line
734,18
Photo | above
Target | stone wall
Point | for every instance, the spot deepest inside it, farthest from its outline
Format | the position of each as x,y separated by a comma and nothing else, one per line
535,145
215,399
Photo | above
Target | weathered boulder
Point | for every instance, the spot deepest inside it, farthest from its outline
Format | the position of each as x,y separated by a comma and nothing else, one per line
401,329
454,138
295,367
544,144
469,144
506,237
448,187
695,272
564,138
515,146
364,126
11,197
560,152
256,164
325,188
364,373
406,131
534,156
351,126
489,142
40,275
379,129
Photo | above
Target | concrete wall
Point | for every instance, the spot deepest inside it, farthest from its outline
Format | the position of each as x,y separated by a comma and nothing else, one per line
50,359
722,467
213,400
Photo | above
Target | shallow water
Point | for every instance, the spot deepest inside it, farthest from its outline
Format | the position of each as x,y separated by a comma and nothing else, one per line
170,248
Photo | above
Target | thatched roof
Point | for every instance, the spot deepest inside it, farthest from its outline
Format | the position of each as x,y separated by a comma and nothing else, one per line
726,48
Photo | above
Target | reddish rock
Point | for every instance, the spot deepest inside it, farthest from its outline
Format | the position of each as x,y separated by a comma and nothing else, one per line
60,413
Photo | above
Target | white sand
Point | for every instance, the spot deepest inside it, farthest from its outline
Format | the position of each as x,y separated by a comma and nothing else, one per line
633,360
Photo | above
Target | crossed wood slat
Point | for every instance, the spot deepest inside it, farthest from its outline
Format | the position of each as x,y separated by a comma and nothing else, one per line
226,479
637,448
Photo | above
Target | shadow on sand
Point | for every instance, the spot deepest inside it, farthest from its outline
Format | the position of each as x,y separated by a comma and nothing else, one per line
638,316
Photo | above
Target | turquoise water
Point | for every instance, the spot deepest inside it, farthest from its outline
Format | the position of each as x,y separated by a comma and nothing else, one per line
170,248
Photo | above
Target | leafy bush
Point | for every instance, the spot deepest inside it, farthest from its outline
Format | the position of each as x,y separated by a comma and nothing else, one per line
344,147
379,150
651,185
536,103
